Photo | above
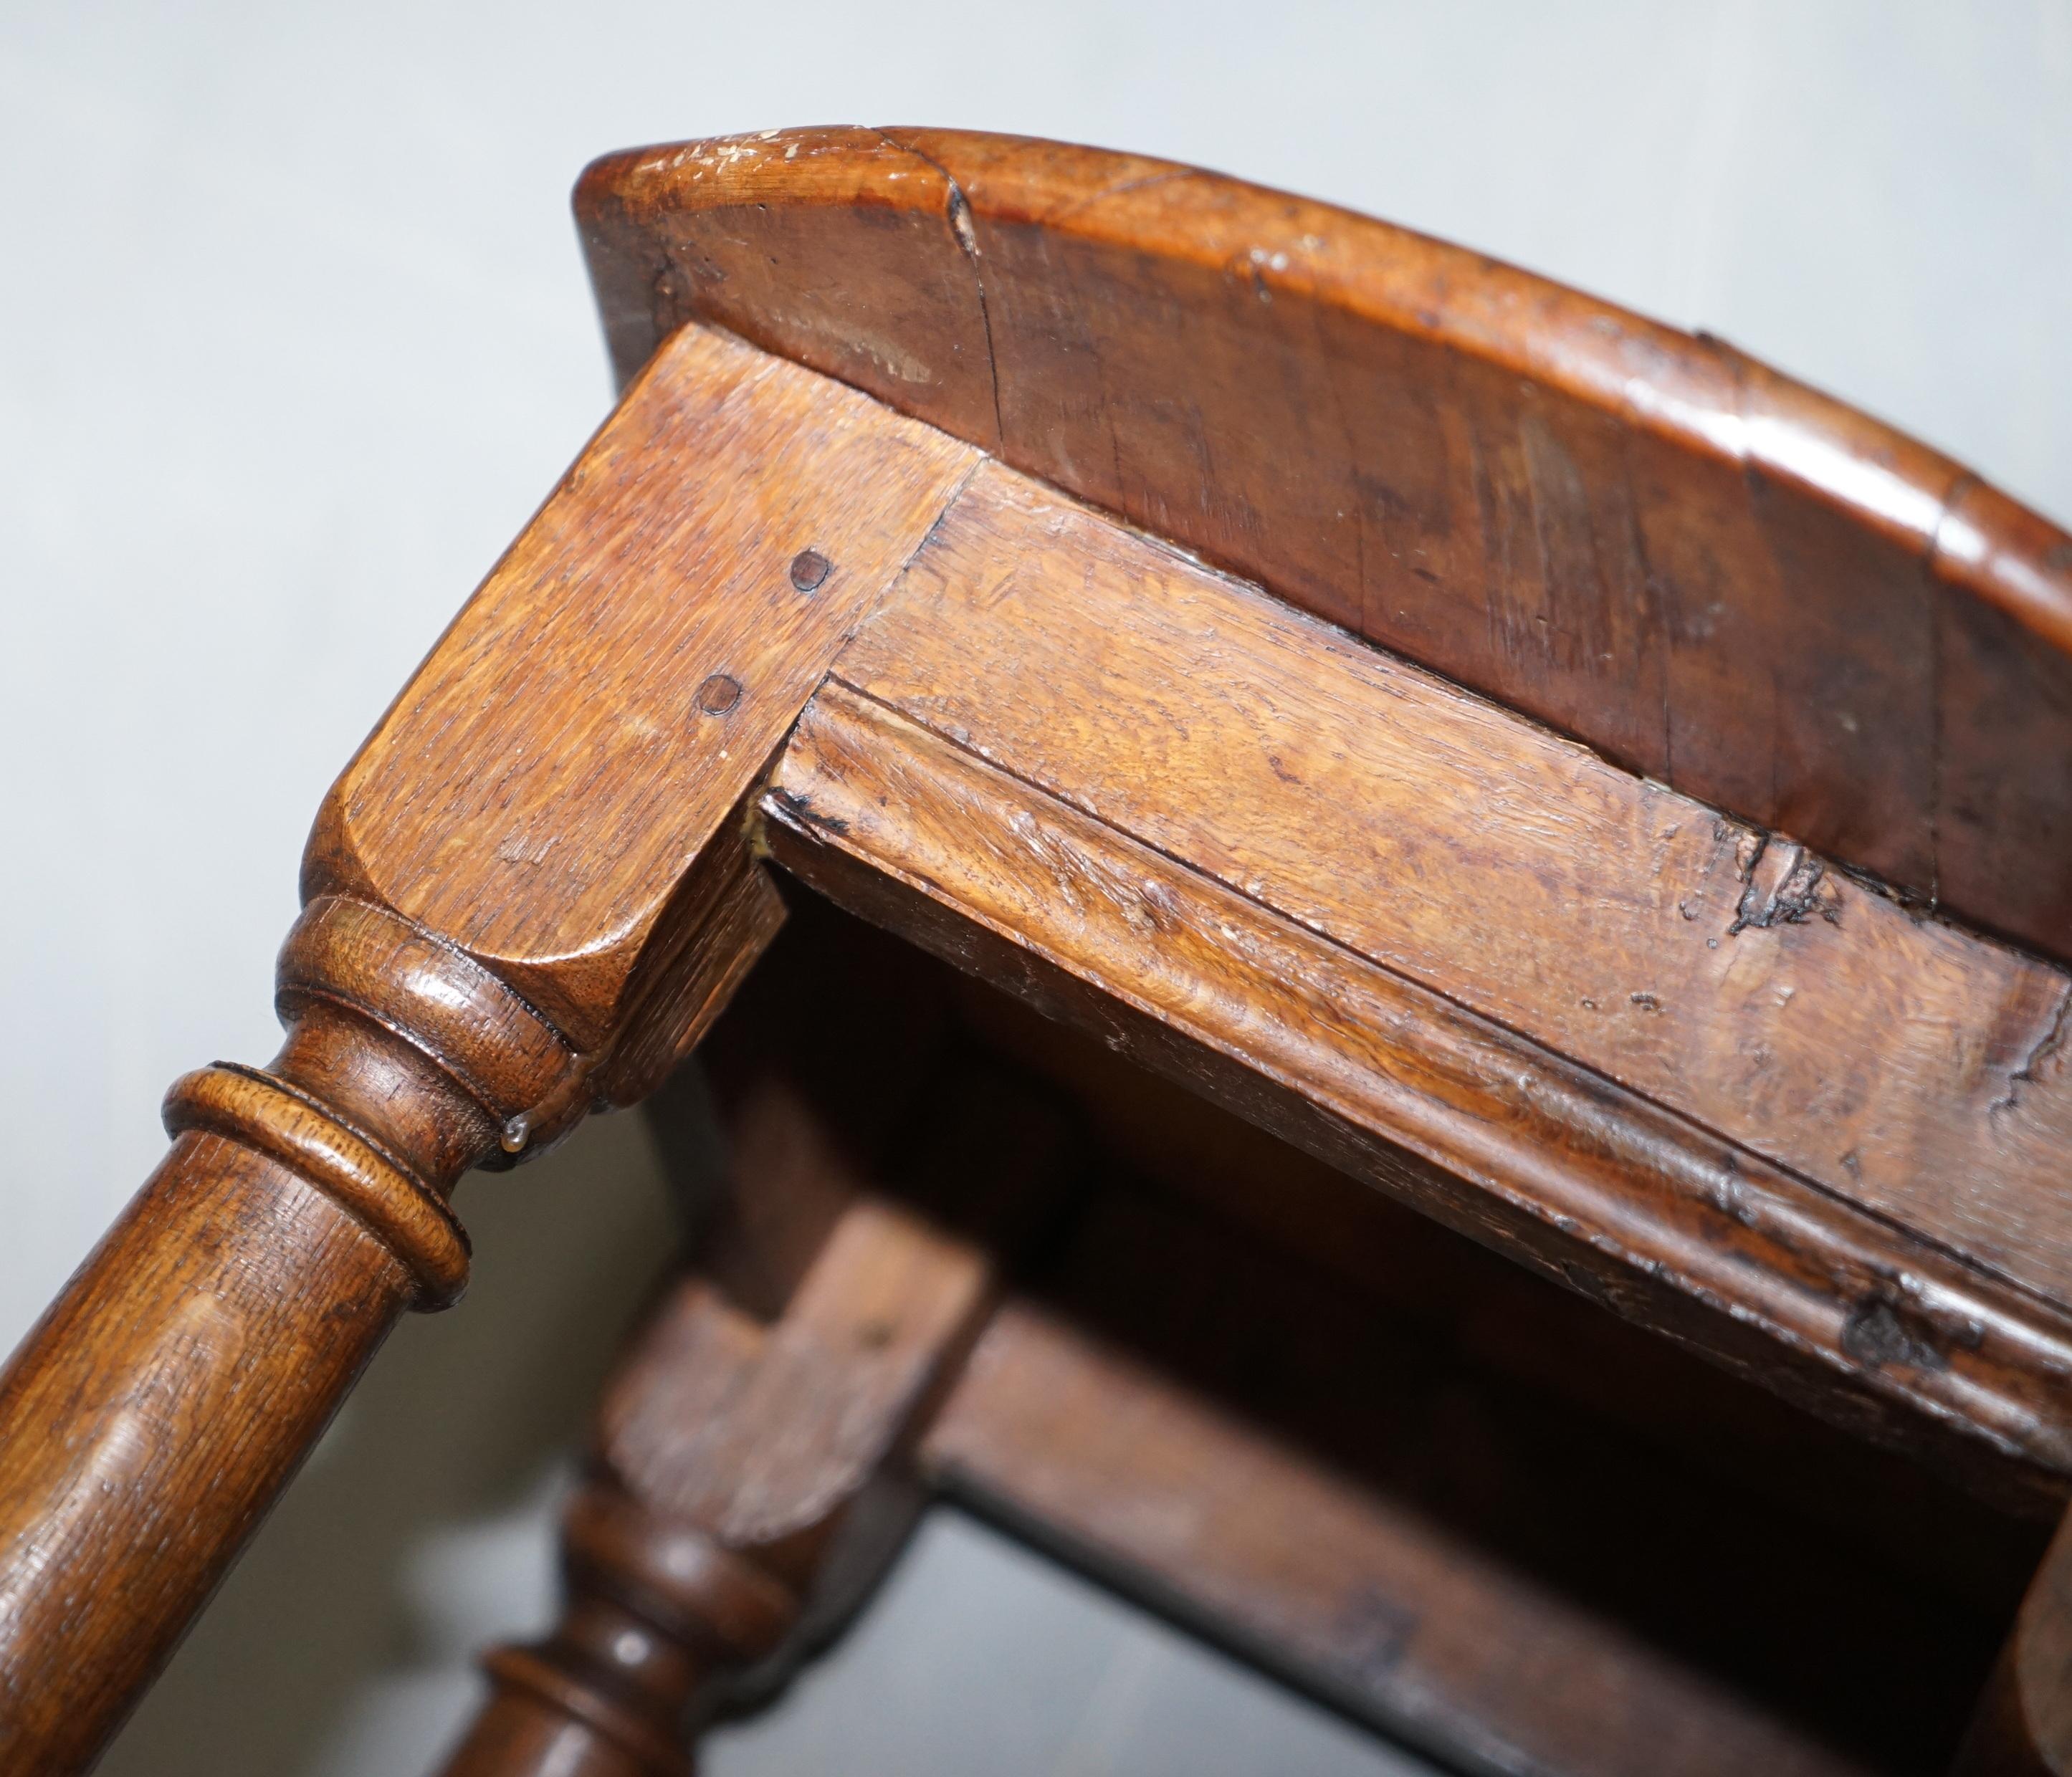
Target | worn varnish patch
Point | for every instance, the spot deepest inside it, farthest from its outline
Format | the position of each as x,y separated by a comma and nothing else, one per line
1729,976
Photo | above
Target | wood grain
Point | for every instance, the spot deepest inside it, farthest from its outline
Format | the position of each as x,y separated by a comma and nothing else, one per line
1903,1065
528,894
1468,1121
1330,1436
1673,1058
1167,1493
572,681
1718,577
150,1417
1402,1313
738,1497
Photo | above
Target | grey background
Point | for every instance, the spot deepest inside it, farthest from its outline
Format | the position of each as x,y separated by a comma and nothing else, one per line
294,335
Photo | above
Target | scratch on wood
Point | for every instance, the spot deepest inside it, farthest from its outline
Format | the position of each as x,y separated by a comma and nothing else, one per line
966,238
798,808
2052,1040
1784,884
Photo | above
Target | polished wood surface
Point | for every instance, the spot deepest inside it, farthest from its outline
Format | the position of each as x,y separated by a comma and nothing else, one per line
1461,1505
1095,573
528,895
1721,579
621,678
1731,976
1164,1492
1543,999
151,1416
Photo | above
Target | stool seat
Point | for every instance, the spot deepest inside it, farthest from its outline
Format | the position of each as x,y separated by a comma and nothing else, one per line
1385,952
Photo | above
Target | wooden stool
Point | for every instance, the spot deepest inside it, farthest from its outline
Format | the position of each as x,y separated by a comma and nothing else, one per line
1525,768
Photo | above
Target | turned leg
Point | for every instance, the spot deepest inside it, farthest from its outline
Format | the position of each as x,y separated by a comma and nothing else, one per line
655,1609
526,896
741,1445
159,1405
